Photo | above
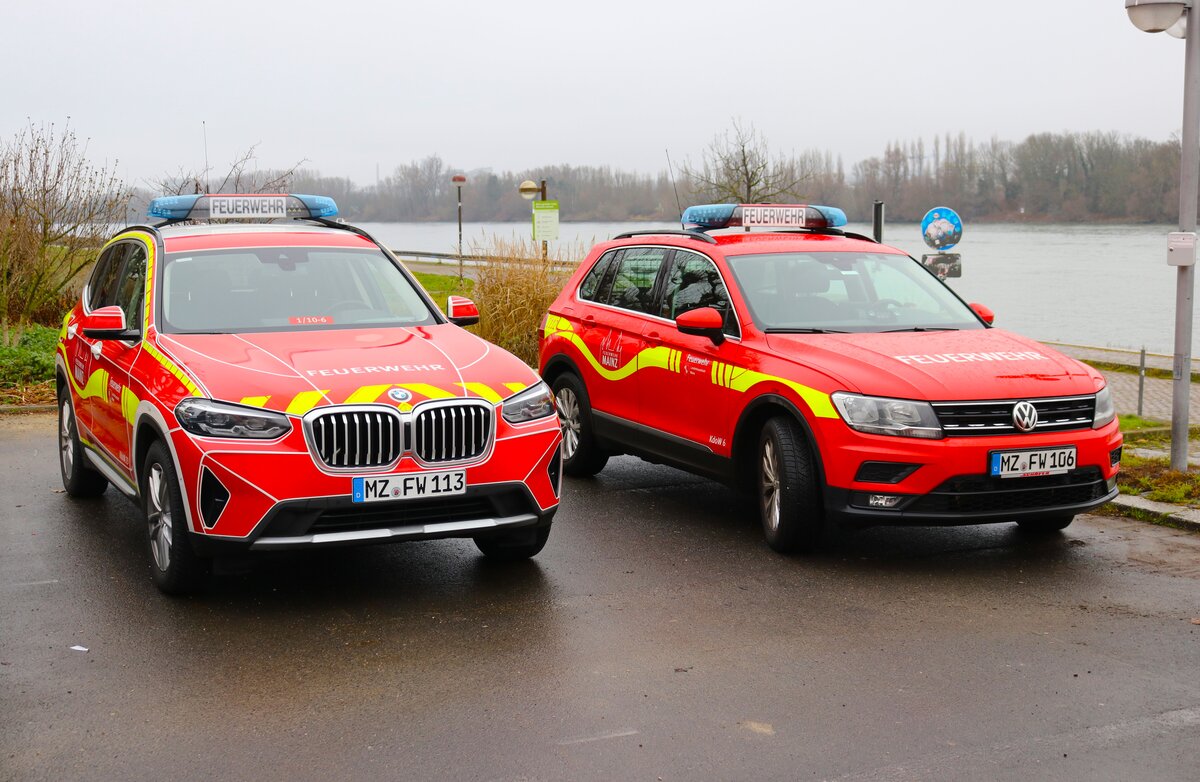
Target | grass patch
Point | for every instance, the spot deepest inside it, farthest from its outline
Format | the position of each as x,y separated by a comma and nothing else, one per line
441,286
1131,369
1133,423
1154,479
31,360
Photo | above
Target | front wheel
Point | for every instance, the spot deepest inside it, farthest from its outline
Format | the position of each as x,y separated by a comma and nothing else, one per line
174,564
1045,525
510,546
789,501
582,458
78,477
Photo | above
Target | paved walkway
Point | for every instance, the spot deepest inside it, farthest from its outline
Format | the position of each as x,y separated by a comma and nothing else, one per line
1156,402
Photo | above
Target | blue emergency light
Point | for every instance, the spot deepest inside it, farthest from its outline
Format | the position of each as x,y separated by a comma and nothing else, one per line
707,217
222,206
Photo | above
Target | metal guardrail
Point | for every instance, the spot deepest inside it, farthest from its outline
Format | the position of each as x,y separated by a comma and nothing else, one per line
451,259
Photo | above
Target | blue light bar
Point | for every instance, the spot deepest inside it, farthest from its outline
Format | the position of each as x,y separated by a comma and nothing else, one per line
241,207
711,216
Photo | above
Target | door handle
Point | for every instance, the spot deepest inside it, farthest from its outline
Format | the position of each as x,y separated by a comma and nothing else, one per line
97,349
654,338
589,321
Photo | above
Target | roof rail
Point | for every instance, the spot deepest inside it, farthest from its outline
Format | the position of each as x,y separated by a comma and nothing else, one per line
669,232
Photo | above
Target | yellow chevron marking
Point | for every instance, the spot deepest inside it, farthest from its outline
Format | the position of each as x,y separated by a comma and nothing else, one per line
97,385
367,394
404,407
428,391
171,367
556,324
305,401
481,390
516,387
255,401
129,404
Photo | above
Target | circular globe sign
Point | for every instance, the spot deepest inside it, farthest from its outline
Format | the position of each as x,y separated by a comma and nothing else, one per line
941,228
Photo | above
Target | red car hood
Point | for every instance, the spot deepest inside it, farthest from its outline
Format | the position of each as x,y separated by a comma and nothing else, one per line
940,365
297,370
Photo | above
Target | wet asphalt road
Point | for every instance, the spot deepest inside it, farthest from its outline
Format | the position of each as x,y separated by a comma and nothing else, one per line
656,637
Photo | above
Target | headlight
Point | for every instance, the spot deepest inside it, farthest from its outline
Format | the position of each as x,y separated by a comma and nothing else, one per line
530,404
221,419
896,417
1105,412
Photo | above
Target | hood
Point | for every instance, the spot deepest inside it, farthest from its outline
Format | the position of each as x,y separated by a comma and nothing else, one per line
940,365
295,371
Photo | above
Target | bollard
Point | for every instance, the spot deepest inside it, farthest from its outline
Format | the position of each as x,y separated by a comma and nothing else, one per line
1141,380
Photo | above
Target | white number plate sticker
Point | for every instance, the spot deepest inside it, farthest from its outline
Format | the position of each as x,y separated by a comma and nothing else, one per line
409,486
1029,464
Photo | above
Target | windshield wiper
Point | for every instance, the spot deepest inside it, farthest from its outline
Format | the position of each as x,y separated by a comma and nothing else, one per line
919,328
805,331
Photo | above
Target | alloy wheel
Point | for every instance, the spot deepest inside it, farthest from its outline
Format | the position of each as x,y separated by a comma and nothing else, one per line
159,517
66,447
769,484
568,416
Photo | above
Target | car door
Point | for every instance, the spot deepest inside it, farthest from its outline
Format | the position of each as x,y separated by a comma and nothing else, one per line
686,401
83,351
611,330
113,409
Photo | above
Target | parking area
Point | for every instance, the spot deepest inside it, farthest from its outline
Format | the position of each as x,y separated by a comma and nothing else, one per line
656,637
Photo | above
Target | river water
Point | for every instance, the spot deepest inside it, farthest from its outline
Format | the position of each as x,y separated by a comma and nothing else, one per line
1102,285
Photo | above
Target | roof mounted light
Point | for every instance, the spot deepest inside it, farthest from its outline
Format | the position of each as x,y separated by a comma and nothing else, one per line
242,207
710,216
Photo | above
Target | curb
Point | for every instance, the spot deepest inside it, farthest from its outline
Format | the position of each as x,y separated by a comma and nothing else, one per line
23,409
1175,515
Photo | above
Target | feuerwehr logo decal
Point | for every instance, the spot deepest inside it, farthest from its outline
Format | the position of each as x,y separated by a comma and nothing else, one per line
1025,416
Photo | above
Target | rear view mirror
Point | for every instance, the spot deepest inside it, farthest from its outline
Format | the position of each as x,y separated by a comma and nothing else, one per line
702,322
461,311
983,311
106,323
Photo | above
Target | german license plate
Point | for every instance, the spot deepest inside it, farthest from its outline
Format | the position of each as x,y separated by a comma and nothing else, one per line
409,486
1032,463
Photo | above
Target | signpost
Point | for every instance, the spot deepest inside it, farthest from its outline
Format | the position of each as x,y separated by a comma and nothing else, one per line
942,229
545,221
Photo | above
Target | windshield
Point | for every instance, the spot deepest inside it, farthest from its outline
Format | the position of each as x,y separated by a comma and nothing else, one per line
848,292
285,289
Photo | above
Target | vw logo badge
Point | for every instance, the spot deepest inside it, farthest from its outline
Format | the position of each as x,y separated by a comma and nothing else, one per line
1025,416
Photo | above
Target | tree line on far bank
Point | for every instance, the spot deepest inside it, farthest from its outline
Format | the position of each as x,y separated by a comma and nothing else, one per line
1049,177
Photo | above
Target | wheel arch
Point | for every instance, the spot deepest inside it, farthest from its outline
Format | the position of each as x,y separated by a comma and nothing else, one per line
150,426
558,366
749,427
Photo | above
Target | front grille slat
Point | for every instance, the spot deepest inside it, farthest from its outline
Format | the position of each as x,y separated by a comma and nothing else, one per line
974,419
356,439
455,432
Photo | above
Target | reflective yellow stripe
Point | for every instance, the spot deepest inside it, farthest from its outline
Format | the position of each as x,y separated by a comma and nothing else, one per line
171,367
129,404
367,394
305,401
255,401
482,391
97,385
428,391
515,387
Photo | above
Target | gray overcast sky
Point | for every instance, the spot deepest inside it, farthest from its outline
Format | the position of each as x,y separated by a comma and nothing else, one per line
348,84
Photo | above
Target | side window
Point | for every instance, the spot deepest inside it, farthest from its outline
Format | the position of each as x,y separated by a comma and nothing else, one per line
591,283
633,283
132,287
102,287
694,282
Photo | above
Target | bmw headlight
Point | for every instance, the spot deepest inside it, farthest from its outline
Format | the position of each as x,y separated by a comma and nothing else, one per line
1105,412
531,404
896,417
209,418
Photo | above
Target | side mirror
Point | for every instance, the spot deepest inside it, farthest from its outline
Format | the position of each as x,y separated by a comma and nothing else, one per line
107,323
702,322
461,311
983,311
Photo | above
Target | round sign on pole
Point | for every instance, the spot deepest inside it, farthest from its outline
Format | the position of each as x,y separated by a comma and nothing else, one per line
528,189
941,228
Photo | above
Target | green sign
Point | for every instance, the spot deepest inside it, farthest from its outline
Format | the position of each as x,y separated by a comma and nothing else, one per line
545,221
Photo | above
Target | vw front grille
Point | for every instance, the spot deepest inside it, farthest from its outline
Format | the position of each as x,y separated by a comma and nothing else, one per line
357,438
453,432
974,419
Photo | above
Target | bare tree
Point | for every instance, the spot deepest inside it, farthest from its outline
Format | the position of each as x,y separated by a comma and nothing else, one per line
56,209
240,177
737,167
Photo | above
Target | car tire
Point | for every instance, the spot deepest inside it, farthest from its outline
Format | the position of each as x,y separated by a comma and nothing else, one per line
789,500
1045,525
511,546
78,477
582,458
175,566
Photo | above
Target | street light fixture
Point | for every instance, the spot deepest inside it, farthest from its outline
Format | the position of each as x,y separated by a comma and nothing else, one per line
1155,16
458,180
528,189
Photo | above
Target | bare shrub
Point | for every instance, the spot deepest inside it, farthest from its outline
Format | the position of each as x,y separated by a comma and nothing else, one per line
515,287
56,209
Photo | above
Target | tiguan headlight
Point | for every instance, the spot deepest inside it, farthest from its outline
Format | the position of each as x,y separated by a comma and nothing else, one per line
209,418
896,417
1105,412
531,404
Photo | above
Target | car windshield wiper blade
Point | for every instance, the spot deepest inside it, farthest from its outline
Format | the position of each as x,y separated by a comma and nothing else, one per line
805,331
919,328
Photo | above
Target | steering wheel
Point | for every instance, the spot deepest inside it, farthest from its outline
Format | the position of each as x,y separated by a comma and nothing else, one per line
883,308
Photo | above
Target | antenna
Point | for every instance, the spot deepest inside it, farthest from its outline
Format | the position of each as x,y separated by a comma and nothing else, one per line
671,171
204,129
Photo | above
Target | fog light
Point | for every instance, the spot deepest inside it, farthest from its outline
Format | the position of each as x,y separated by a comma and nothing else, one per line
883,500
1111,483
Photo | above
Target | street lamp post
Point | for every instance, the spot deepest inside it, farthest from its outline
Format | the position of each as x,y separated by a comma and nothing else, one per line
458,180
528,189
1172,16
